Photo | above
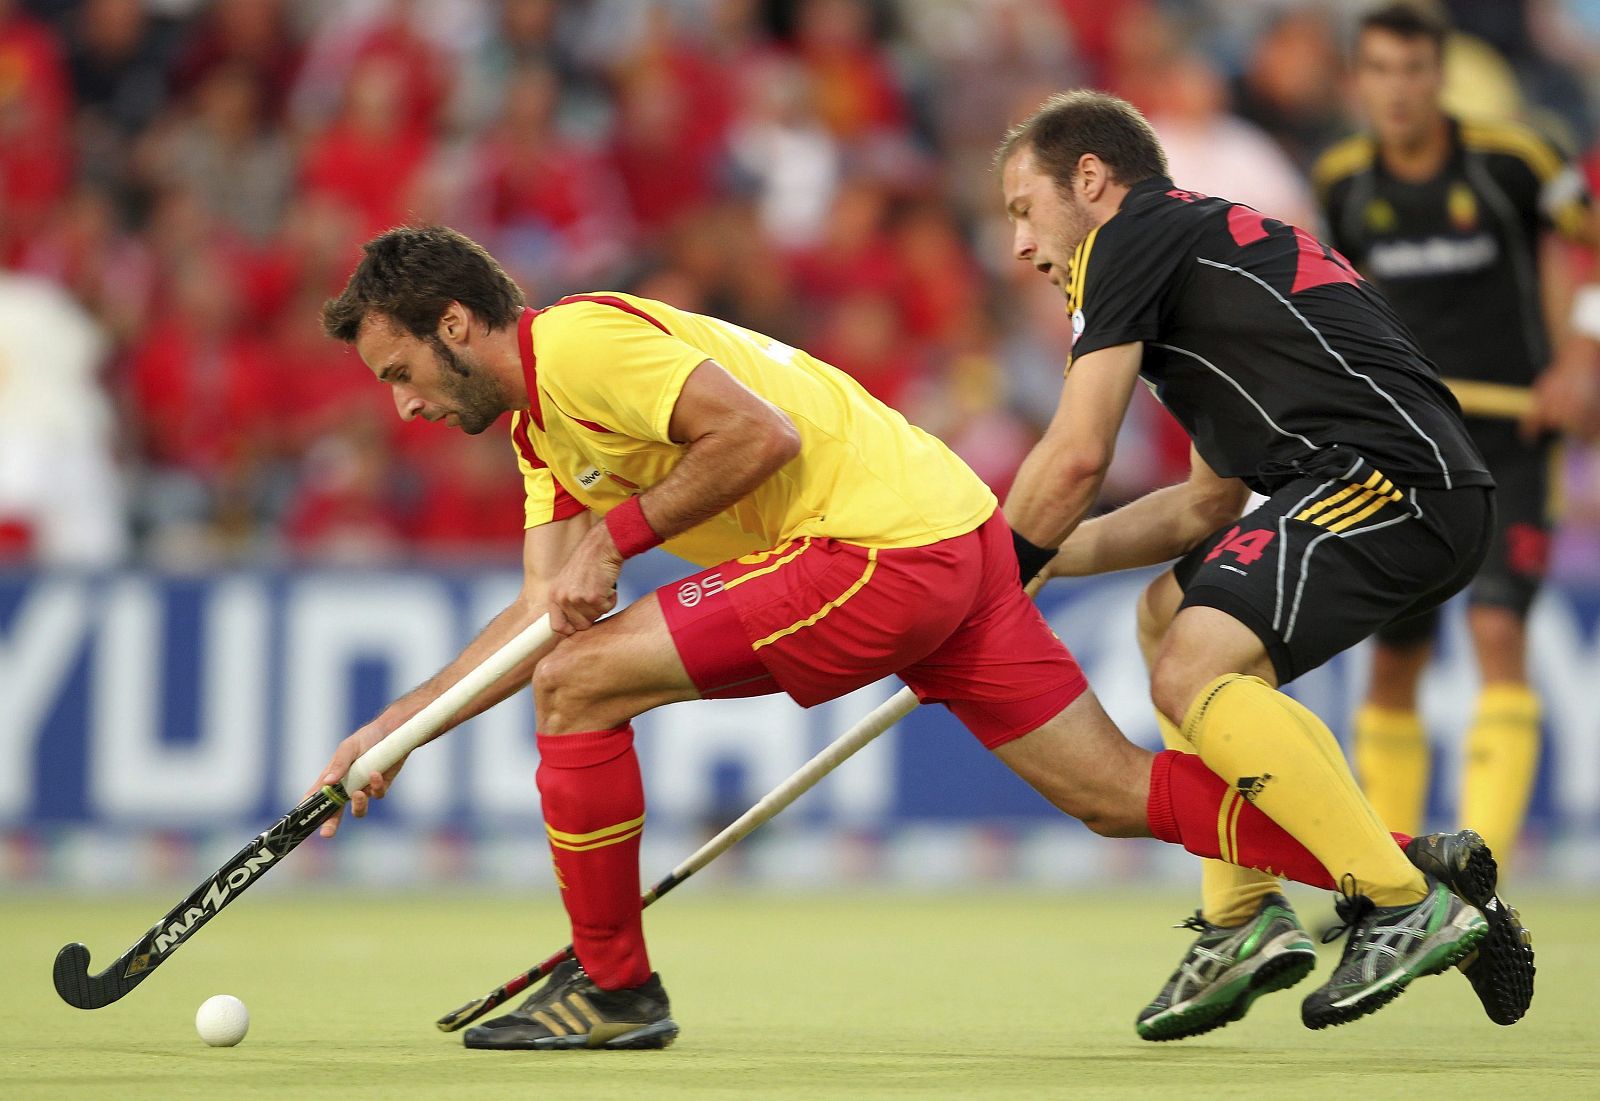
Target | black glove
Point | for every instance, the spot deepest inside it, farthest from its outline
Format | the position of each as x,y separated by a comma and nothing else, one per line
1030,559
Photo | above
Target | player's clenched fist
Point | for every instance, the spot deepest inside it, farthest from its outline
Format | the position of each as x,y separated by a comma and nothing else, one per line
586,587
375,785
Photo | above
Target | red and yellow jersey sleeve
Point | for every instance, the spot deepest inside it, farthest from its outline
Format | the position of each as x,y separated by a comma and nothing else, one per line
607,370
605,361
545,501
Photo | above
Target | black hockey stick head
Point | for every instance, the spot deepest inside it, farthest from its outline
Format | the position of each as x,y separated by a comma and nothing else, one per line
85,991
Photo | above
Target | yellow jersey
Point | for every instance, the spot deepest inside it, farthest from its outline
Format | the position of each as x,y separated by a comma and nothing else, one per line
604,372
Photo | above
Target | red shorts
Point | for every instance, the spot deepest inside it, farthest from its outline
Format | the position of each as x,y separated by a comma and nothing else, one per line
817,619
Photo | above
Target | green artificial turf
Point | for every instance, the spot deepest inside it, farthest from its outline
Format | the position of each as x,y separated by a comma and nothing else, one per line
981,995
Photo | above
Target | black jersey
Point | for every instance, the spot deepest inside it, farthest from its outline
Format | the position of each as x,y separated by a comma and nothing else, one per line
1458,255
1274,355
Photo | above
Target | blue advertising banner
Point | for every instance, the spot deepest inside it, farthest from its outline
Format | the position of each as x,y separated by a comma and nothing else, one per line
142,702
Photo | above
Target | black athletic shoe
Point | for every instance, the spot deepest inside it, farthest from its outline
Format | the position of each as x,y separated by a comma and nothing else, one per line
1501,970
570,1011
1226,969
1389,947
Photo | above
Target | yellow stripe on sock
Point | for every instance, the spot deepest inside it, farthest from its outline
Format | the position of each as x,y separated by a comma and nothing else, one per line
1233,825
597,844
866,575
1223,813
580,838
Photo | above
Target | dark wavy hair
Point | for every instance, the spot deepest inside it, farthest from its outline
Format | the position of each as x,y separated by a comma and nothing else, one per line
412,274
1408,19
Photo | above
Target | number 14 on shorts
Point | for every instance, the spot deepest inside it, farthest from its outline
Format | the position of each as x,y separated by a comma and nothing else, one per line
1246,547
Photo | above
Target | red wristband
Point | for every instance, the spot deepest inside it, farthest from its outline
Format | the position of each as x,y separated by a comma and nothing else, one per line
630,531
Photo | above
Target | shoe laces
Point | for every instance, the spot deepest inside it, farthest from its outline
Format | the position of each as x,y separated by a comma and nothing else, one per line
1352,908
1194,921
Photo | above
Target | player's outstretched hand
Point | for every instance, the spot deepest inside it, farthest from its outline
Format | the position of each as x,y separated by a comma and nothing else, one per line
1566,395
376,785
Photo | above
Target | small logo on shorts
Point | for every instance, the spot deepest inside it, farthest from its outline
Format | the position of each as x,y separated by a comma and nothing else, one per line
589,477
1251,786
692,592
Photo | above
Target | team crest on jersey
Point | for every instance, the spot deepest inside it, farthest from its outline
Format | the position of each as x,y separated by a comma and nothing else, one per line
1381,217
1077,325
1462,206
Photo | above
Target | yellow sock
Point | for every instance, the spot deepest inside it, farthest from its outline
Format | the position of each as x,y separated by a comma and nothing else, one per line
1502,757
1286,761
1391,754
1229,894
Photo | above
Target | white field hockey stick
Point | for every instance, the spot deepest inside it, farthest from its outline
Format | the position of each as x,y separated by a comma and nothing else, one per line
73,981
891,711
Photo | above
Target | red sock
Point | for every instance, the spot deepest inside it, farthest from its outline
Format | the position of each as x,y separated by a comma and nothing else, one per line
594,813
1194,807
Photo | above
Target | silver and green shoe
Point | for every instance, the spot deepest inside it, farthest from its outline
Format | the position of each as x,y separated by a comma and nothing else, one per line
1388,948
1226,969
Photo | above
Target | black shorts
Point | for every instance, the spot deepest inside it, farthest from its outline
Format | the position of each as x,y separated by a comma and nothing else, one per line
1514,568
1321,564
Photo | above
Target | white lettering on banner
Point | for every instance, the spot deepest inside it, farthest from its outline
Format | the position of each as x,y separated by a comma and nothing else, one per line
133,772
1566,670
861,790
36,655
406,620
500,760
682,745
767,738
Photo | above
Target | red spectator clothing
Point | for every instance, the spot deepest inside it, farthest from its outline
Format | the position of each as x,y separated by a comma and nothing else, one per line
35,110
202,400
541,179
856,91
830,272
321,386
472,516
373,173
673,119
254,35
344,520
427,83
938,281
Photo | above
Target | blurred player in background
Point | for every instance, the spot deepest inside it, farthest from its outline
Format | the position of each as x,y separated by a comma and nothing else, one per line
1449,218
1293,378
842,545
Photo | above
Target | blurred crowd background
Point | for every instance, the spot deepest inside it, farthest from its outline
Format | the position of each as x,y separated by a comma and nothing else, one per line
183,182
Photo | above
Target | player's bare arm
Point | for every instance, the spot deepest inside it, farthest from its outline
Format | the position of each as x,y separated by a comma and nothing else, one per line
545,549
1060,478
1158,527
1566,395
734,440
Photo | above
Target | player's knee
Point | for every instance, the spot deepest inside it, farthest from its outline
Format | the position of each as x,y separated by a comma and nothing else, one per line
1112,818
1172,686
1497,630
1154,615
562,684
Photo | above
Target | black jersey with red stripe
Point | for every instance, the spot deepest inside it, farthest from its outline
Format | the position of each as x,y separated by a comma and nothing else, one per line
1275,356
